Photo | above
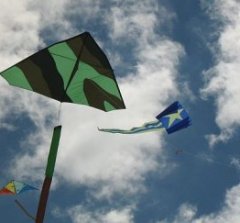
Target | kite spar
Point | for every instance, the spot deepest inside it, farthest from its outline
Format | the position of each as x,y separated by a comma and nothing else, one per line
75,70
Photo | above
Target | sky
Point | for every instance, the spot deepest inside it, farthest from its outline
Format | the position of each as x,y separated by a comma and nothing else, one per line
161,51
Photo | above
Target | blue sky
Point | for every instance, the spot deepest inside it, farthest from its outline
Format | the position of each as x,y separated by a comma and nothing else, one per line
161,51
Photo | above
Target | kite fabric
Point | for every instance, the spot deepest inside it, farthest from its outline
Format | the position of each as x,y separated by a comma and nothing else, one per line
16,187
172,119
75,70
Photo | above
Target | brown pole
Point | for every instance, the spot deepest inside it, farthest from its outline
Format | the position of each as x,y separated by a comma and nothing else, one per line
43,200
48,175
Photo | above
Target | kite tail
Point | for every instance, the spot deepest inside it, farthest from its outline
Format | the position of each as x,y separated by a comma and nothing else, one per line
48,174
147,127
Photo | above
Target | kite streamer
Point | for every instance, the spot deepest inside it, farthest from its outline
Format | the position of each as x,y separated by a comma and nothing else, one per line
147,127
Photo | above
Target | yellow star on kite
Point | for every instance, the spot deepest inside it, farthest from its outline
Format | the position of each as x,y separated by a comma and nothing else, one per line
172,117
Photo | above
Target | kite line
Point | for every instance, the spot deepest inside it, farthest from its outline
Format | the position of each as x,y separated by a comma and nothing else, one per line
24,210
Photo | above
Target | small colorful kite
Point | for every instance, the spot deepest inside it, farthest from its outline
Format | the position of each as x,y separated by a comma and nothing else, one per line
16,187
172,119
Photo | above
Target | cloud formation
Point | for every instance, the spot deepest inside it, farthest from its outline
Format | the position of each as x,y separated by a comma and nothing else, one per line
222,80
228,213
79,214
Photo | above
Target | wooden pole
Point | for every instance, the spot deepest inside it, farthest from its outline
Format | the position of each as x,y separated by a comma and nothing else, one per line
48,174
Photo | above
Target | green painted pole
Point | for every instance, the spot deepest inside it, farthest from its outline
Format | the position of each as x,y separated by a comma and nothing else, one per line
48,174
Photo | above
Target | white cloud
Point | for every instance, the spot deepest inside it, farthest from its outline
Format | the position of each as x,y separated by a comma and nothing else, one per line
20,31
186,213
7,126
142,20
79,214
138,23
235,162
228,213
222,80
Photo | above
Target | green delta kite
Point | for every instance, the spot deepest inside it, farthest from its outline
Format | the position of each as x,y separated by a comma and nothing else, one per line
74,70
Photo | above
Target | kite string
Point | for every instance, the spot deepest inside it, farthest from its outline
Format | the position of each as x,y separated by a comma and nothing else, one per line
24,210
211,161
